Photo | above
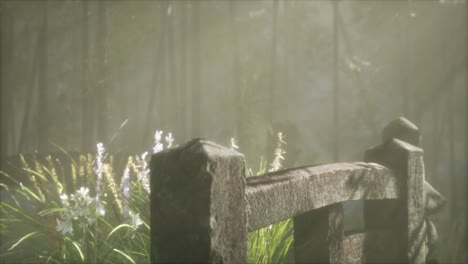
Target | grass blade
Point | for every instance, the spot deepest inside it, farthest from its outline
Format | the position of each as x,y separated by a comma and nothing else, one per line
22,239
20,212
66,153
118,227
37,174
31,193
79,250
125,255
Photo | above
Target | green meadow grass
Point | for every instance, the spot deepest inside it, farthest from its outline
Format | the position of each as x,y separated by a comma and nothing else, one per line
48,220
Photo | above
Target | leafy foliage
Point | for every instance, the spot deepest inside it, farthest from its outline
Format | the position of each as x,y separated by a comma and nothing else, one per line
99,222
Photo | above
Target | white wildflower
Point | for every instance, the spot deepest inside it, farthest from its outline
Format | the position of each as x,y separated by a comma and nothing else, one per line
280,138
169,139
134,220
83,192
279,151
81,209
233,144
99,169
142,171
158,146
158,135
126,189
64,197
64,227
100,209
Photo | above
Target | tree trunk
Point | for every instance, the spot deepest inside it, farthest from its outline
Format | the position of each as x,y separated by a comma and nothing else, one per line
236,71
155,96
8,130
196,71
403,37
167,71
183,73
3,133
288,34
368,110
26,139
42,111
272,89
174,88
100,100
452,157
336,86
163,71
86,116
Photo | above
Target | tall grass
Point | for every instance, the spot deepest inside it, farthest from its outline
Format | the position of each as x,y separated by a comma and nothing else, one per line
58,221
94,214
272,244
90,216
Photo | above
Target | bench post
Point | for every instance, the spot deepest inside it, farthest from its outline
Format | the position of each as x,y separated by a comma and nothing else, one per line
400,153
198,207
318,235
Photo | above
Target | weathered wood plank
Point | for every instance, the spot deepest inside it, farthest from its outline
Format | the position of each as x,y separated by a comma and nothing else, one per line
371,247
354,248
198,205
318,235
405,159
284,194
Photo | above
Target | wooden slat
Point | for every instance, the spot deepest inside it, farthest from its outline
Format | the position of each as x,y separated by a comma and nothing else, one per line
318,235
376,246
284,194
354,248
406,161
198,205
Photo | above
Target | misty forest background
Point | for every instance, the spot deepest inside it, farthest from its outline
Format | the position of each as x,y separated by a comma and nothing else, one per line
328,74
